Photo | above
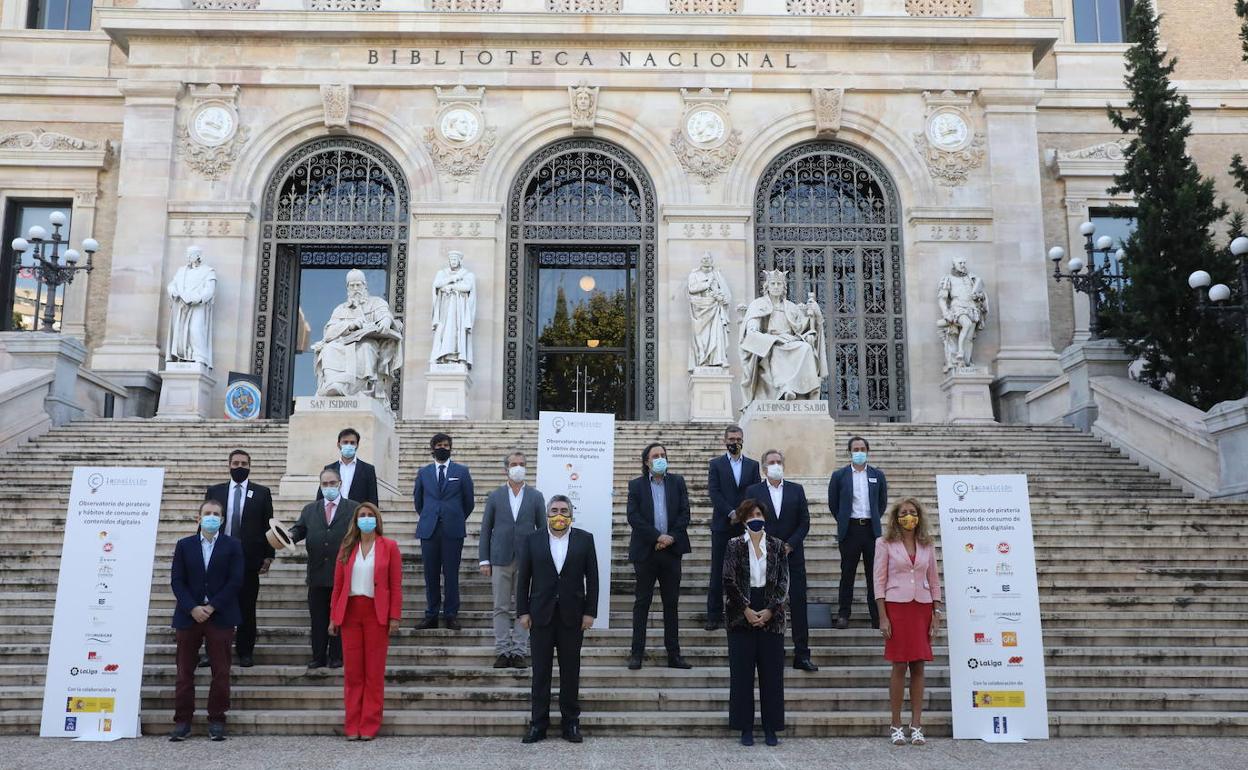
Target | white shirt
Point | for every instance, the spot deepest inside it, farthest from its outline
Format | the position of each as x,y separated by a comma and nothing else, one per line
559,549
206,546
862,503
229,507
362,572
514,499
346,471
777,494
758,564
735,464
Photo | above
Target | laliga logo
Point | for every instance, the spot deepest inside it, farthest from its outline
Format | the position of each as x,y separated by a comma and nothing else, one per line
558,422
960,489
95,481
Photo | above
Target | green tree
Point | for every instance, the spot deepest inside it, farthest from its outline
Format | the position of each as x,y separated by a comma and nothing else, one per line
1186,354
1238,170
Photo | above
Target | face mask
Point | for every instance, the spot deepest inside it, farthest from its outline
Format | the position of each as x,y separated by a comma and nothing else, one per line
331,493
239,474
659,465
734,448
441,454
366,523
516,473
775,472
348,451
559,523
859,458
909,521
210,524
755,525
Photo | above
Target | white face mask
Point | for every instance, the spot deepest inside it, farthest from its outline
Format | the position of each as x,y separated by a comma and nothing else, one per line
775,472
516,473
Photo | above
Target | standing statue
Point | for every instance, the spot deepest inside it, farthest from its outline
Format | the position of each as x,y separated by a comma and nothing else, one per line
963,309
362,346
191,294
454,311
708,307
784,352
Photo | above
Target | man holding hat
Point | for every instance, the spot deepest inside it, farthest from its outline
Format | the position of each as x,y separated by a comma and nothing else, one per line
322,525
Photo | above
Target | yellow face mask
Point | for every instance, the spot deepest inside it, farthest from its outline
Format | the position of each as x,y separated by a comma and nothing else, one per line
908,521
559,523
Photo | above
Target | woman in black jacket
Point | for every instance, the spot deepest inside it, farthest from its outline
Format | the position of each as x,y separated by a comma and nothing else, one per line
756,596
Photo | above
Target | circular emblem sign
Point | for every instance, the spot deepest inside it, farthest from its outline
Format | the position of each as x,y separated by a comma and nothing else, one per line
242,401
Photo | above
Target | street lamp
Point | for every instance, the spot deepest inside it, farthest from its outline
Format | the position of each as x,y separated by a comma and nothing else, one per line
1219,293
1086,276
53,268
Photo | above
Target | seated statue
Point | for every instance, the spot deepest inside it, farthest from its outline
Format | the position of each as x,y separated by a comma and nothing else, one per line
362,346
783,348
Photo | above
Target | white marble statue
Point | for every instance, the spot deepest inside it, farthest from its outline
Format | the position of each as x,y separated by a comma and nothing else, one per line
191,294
709,298
454,312
963,309
362,346
783,348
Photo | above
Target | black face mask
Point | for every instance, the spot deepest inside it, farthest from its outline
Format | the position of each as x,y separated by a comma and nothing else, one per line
441,454
239,474
755,525
734,448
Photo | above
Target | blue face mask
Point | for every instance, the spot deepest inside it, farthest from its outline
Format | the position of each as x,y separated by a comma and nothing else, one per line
330,493
659,465
366,523
859,458
755,525
348,451
210,524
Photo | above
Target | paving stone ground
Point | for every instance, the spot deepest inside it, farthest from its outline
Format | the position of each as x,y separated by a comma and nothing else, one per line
308,753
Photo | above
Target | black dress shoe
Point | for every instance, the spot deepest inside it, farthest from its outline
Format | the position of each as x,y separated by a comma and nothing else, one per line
519,661
216,731
246,661
572,733
842,623
747,737
315,664
335,662
805,664
771,739
678,661
427,624
713,625
503,661
453,623
534,735
634,661
203,662
181,732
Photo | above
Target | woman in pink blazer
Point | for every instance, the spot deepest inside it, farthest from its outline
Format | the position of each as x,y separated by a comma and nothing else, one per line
366,606
907,591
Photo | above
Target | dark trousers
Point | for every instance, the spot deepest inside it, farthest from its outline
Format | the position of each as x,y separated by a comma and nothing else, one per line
799,621
441,556
664,567
543,641
217,641
245,640
715,591
859,542
324,647
749,651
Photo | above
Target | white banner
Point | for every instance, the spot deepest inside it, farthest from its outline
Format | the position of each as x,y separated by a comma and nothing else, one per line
99,627
576,457
996,651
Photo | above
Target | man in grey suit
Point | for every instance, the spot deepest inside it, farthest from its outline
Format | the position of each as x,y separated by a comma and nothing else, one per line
512,513
322,524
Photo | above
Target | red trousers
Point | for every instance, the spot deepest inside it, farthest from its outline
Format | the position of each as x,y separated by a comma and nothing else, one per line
365,643
217,640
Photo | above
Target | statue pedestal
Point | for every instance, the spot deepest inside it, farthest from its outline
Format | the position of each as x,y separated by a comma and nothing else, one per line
185,391
803,430
968,396
446,391
313,436
710,395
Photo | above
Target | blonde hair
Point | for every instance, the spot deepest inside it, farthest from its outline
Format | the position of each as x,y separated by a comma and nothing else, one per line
892,530
352,538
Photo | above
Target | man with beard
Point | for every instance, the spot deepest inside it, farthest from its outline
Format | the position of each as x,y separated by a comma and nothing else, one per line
360,351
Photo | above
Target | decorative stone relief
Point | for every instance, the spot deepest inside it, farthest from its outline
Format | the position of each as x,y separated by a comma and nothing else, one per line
1106,151
940,7
344,5
583,103
706,7
478,6
949,141
955,232
48,141
212,137
828,104
706,143
205,228
225,5
822,7
583,6
85,199
460,141
336,101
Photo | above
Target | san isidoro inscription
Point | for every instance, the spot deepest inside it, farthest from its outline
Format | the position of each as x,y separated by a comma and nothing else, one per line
601,59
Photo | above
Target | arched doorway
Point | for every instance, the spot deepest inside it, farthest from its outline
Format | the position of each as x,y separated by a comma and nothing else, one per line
333,204
581,330
829,214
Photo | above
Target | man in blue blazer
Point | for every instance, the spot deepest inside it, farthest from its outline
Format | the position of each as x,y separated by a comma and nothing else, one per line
857,497
728,476
206,577
443,497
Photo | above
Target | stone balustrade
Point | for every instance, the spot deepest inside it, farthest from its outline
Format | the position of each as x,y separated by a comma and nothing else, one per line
922,8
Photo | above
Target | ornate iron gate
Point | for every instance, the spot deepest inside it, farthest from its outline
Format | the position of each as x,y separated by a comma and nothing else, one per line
828,213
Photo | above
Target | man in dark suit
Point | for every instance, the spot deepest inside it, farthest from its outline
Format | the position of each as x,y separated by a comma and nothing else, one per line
658,512
248,508
857,497
728,477
206,576
322,525
557,600
512,513
443,497
359,479
788,518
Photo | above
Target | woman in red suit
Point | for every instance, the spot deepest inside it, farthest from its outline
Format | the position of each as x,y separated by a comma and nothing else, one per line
907,592
365,607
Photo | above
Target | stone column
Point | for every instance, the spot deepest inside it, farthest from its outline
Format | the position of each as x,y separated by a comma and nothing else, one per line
81,226
1026,358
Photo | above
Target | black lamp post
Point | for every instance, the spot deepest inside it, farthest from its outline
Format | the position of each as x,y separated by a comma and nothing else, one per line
1219,293
53,268
1087,276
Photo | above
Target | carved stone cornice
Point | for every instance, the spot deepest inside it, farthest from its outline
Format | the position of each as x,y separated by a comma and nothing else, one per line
39,147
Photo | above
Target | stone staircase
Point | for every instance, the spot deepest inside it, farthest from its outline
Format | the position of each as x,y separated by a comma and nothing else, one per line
1142,591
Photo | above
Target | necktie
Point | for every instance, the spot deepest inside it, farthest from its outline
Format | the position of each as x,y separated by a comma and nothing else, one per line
441,477
329,513
236,518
